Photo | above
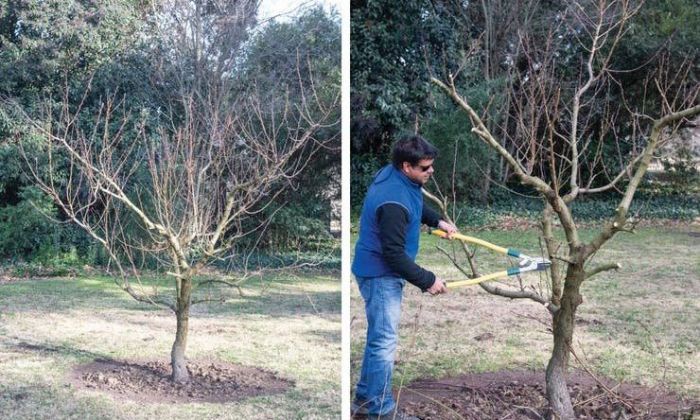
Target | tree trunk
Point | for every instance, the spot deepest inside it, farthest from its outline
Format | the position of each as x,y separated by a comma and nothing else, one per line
177,355
485,184
563,328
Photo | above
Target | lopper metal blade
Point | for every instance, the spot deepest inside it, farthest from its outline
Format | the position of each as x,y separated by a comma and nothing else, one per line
533,264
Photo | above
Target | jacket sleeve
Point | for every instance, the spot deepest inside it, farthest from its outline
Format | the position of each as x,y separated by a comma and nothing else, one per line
430,217
393,220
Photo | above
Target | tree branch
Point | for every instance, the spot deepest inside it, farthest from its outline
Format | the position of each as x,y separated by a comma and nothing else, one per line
618,221
601,268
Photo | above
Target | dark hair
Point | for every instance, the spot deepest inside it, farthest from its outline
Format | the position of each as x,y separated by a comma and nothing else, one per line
412,148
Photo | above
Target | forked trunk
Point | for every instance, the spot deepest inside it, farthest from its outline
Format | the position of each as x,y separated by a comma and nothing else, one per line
563,327
177,355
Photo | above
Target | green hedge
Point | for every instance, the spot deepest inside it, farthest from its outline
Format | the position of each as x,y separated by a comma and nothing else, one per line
675,207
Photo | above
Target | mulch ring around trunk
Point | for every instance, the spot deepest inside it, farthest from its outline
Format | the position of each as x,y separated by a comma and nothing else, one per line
149,381
521,395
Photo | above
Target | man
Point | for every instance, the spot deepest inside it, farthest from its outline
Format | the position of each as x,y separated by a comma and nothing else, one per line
385,255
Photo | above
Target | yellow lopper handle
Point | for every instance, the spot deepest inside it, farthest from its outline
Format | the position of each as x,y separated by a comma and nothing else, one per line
465,238
477,280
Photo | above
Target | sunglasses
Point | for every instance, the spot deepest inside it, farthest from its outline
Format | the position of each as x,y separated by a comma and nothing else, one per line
424,168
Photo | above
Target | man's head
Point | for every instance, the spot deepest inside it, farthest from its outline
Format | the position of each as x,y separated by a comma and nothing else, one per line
413,156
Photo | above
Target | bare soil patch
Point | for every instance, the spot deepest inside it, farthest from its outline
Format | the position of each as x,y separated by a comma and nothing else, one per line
150,382
521,395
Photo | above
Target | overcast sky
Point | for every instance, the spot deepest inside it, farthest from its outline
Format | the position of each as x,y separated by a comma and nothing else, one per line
271,8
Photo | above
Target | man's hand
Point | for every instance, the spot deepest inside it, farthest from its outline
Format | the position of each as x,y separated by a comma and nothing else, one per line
438,287
449,228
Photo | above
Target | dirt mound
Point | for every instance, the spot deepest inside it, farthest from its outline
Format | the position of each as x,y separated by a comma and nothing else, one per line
521,395
150,381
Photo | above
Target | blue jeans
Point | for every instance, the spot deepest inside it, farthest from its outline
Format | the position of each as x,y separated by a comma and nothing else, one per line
382,296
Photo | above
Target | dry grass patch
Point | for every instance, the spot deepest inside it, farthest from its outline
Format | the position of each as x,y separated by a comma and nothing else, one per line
289,326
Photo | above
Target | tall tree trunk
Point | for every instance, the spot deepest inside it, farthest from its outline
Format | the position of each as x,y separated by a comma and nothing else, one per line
563,328
488,10
485,184
177,355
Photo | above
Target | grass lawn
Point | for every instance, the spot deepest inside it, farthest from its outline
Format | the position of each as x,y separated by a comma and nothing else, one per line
289,325
640,324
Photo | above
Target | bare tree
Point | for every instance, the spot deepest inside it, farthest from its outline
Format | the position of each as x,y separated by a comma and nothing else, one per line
554,146
187,192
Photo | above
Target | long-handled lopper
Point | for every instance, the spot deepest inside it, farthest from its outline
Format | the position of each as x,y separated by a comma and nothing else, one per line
525,263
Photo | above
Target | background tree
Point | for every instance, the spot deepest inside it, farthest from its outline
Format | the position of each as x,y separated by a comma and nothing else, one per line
438,35
388,86
49,48
565,109
392,50
46,47
311,42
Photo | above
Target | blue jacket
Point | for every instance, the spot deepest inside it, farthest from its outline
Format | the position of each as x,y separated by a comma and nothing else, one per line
389,186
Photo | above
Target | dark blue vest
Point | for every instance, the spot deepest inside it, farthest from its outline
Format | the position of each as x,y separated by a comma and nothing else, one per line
388,186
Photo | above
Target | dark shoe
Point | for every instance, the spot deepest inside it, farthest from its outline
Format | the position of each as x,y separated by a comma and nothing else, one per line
358,408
